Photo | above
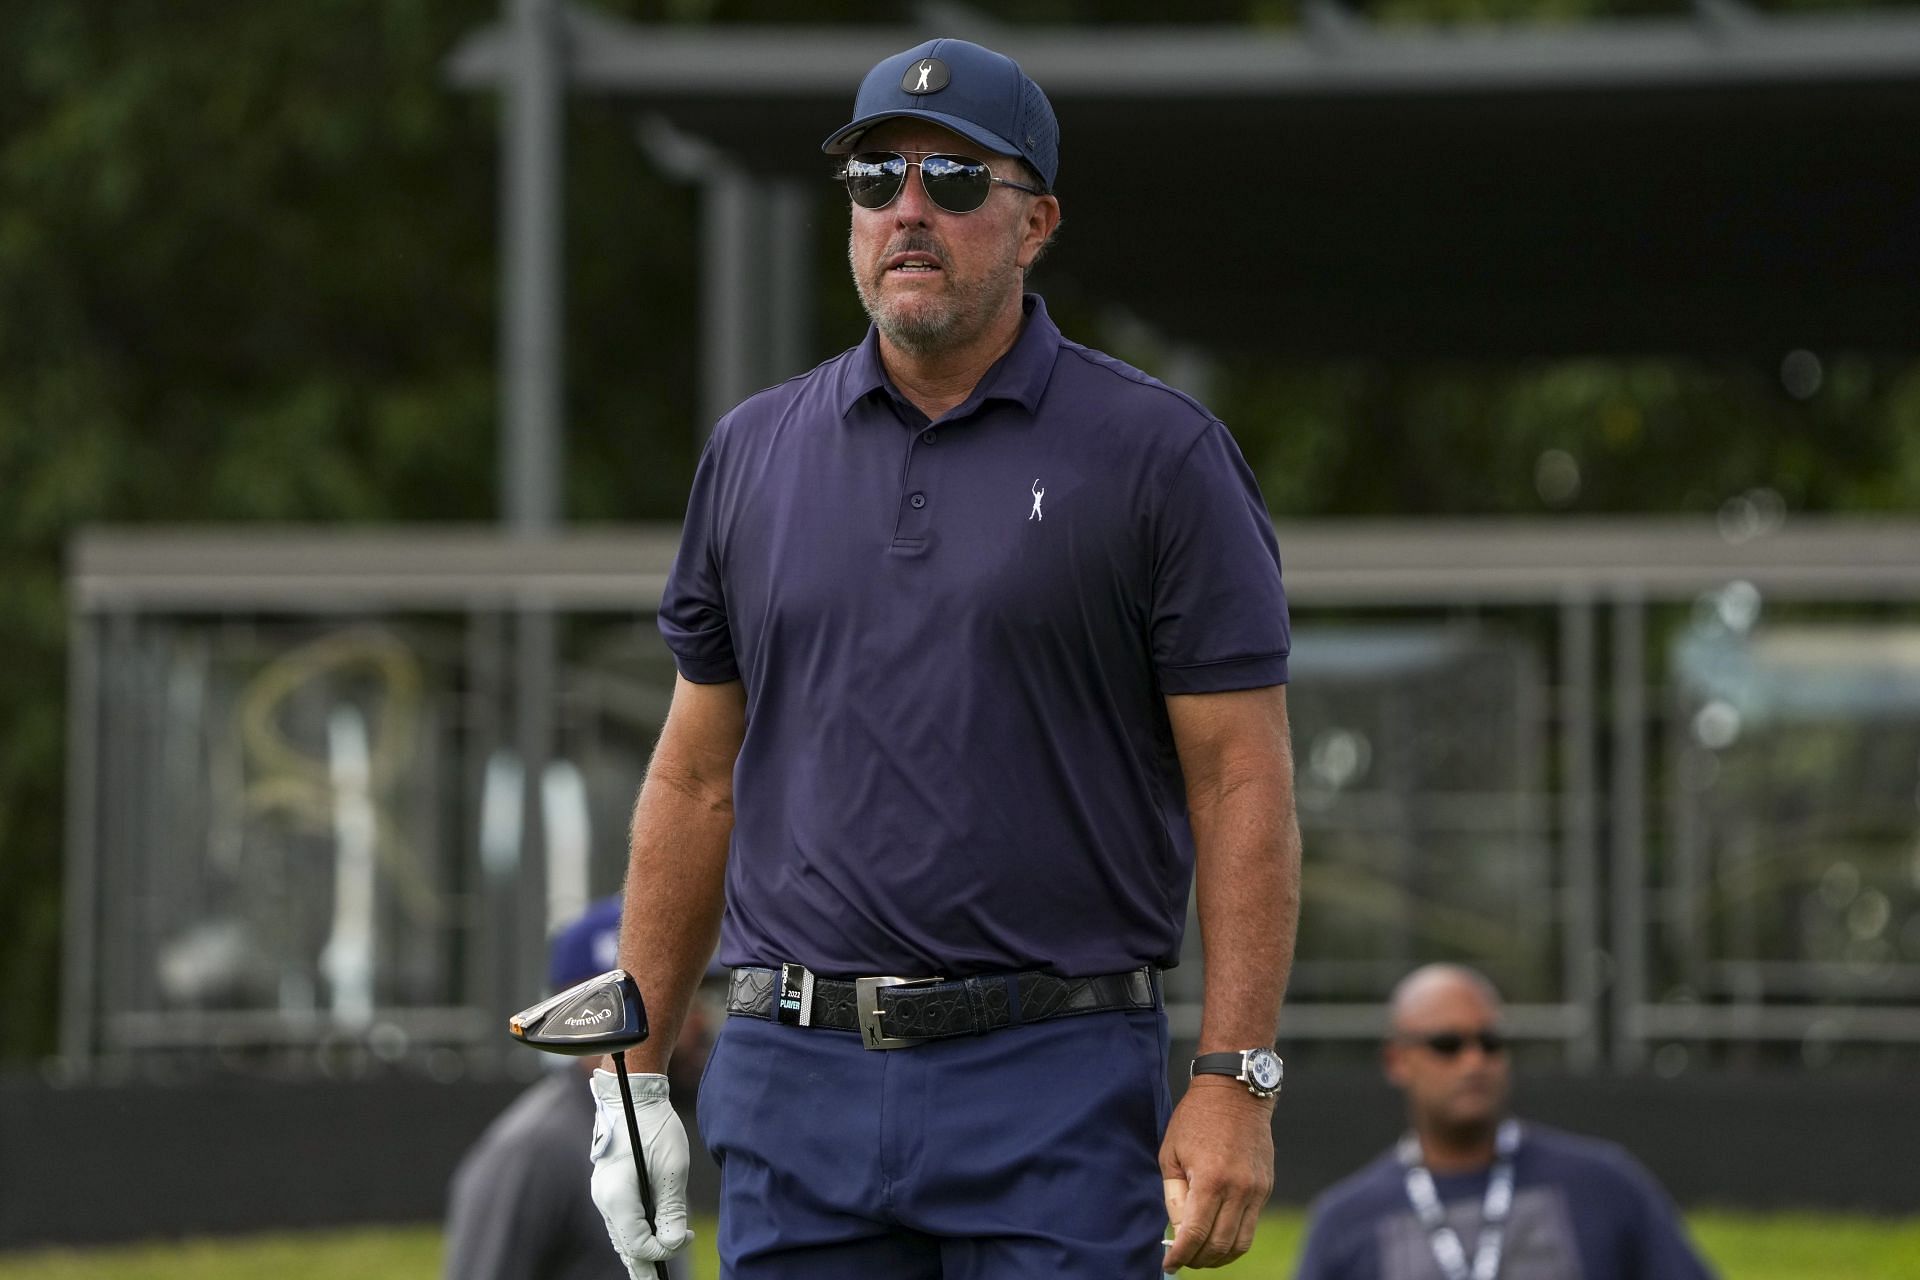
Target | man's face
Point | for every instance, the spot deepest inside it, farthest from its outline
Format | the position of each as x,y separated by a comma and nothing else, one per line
1459,1092
931,280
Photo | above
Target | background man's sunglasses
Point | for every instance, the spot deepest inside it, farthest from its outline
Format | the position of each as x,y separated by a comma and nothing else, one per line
957,184
1448,1044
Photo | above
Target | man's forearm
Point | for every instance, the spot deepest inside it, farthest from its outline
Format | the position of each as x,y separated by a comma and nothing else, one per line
1247,860
675,890
677,860
1217,1157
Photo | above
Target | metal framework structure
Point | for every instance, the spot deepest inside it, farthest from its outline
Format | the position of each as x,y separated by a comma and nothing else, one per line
1374,211
1729,182
1595,604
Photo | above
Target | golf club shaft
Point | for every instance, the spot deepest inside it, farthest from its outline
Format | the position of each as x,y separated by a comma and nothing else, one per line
639,1157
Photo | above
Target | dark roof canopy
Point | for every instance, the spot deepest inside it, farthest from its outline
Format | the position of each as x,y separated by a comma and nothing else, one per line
1726,184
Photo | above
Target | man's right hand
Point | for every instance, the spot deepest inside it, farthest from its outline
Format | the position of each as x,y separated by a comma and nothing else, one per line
616,1182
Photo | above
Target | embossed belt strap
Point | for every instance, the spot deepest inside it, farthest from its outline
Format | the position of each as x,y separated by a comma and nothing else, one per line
935,1009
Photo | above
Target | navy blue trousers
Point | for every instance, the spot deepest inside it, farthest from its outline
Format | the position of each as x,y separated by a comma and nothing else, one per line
1027,1152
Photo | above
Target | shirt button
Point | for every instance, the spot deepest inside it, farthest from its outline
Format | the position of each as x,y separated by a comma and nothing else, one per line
929,436
917,501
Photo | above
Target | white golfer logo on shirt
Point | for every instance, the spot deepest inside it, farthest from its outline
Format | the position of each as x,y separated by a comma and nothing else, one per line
926,69
1038,493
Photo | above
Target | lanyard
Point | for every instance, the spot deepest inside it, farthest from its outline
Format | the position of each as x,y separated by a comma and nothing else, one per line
1447,1249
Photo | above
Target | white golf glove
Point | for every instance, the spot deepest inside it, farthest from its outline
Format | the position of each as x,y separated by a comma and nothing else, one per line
616,1184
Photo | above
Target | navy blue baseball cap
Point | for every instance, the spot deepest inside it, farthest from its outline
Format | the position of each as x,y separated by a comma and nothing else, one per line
981,95
586,948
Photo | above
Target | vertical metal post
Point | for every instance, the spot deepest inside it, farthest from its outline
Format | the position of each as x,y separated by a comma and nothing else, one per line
531,280
1579,843
123,882
536,689
1629,824
731,336
789,237
534,425
1399,937
1532,817
82,886
1685,863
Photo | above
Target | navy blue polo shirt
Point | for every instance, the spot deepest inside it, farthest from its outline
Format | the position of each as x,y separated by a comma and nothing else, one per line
955,638
1581,1207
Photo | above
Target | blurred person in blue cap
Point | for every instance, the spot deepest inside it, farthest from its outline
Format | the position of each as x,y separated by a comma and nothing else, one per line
519,1207
982,653
1470,1192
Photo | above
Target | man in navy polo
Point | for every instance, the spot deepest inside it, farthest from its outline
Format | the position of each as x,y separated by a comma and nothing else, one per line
982,656
1470,1191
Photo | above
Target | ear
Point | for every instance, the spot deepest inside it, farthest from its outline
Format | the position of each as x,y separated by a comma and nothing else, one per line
1042,220
1393,1064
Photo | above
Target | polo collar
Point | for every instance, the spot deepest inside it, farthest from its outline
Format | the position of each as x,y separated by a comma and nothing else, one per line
1021,375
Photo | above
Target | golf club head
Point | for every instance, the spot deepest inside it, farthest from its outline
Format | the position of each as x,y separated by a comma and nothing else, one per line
604,1014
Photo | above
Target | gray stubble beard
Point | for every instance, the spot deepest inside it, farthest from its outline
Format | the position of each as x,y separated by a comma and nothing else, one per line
969,310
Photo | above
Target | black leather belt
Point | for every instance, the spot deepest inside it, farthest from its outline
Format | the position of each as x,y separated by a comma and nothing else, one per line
891,1013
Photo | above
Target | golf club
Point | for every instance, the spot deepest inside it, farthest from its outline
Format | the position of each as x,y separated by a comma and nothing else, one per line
604,1014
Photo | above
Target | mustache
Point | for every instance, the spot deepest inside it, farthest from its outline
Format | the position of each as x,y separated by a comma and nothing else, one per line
916,240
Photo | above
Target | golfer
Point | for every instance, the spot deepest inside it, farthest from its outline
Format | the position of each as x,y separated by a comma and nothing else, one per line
982,655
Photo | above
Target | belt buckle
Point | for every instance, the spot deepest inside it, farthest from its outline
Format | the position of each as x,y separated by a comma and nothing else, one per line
866,1002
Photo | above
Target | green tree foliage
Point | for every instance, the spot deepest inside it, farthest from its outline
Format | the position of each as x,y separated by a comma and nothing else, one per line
248,273
220,298
1581,436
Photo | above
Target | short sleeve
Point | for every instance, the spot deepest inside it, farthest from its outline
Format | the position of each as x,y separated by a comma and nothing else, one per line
1219,615
693,609
1657,1233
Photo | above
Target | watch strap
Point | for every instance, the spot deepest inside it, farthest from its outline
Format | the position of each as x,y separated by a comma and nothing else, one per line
1233,1064
1238,1065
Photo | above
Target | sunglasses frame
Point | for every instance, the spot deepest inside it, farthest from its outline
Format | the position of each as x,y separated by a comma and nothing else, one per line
917,160
1491,1042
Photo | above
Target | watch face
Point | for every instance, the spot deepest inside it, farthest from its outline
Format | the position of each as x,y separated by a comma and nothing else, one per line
1264,1071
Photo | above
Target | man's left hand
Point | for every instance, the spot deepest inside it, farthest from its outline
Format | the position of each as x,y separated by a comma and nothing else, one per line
615,1180
1217,1163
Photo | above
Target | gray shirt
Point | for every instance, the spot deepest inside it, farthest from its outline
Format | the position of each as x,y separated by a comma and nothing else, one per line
520,1206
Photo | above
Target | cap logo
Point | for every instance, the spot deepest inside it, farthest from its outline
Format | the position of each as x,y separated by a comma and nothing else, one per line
929,75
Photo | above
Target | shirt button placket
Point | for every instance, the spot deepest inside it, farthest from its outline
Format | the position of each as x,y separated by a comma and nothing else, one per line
916,506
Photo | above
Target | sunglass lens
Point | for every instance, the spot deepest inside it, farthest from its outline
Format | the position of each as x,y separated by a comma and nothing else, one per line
873,180
955,183
1448,1044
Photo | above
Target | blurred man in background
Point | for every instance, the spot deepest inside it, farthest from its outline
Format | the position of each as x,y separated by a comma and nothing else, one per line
1471,1193
520,1208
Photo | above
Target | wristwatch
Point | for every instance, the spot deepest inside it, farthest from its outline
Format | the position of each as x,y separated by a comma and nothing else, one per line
1259,1069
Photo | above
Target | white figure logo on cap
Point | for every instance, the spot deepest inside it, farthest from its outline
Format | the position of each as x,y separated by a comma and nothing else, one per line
1038,493
926,69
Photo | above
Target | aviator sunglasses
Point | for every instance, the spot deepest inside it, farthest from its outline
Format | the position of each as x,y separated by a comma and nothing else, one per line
1448,1044
958,184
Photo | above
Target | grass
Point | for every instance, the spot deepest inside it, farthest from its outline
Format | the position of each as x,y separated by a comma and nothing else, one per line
334,1255
1816,1246
1743,1246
